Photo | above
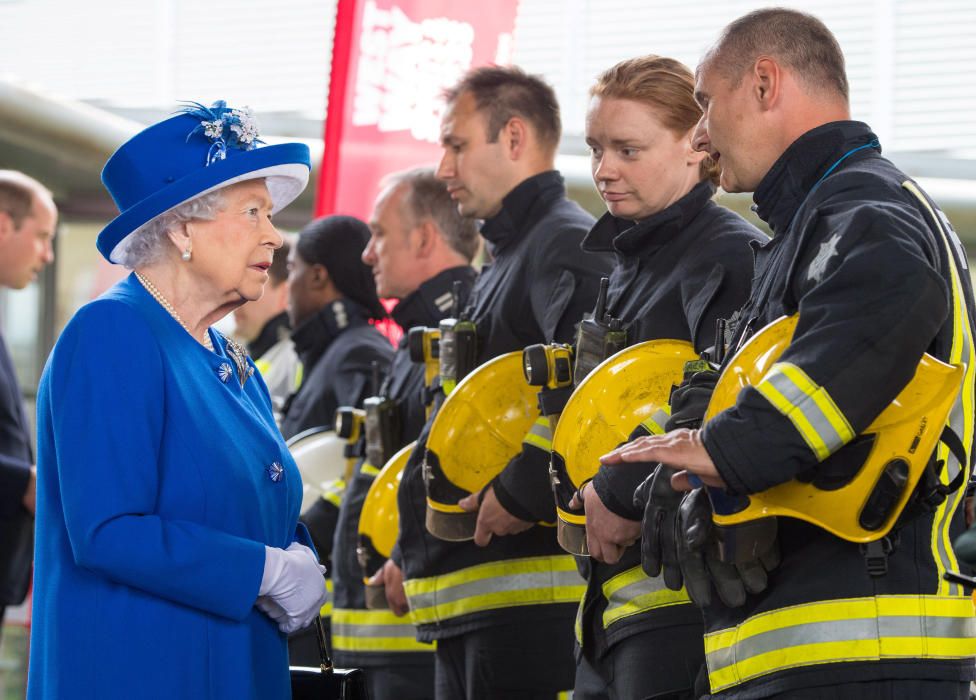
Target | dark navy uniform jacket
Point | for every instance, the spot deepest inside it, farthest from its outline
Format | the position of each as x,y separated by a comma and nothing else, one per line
535,290
864,258
677,272
431,302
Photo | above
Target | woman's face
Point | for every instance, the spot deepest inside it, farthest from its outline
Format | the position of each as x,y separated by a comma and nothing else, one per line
234,251
639,166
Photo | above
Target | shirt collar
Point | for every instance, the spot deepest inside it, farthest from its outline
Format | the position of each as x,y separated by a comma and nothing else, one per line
611,233
274,330
316,334
433,300
521,207
794,174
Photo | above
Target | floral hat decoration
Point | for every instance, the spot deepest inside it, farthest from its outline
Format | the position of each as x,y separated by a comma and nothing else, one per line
198,150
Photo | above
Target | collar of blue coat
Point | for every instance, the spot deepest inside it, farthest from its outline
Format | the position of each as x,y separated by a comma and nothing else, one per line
522,207
643,238
783,189
432,300
171,334
314,336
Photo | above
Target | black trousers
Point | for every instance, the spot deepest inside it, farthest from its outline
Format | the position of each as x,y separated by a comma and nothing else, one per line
631,670
530,661
400,682
900,689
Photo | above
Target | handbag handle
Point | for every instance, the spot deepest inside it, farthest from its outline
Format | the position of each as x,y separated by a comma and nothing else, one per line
324,656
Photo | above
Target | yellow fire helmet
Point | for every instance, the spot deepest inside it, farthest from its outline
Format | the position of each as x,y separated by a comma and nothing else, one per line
858,492
478,429
628,389
379,523
319,454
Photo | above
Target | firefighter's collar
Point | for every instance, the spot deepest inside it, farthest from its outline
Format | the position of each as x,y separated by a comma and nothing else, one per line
644,237
784,188
520,207
432,300
314,336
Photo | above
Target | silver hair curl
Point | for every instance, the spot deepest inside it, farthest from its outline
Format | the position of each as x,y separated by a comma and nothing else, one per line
148,242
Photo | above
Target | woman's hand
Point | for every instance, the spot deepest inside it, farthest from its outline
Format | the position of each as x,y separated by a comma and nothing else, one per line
292,587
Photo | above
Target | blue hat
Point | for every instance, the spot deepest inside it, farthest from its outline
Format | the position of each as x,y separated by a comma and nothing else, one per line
199,150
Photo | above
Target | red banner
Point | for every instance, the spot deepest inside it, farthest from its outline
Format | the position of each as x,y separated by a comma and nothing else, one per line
391,61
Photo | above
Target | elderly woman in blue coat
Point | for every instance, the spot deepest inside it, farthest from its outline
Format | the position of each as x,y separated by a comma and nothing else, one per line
169,562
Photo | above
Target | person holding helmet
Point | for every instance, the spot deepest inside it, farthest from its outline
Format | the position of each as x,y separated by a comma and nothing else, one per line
875,277
419,247
500,134
683,262
167,502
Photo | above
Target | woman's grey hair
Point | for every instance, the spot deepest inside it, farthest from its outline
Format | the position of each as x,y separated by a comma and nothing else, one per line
147,243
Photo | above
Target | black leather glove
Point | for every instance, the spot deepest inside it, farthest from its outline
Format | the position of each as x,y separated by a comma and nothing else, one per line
734,561
659,545
689,400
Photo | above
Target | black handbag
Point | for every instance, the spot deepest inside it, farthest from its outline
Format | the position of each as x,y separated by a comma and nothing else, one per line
327,682
16,556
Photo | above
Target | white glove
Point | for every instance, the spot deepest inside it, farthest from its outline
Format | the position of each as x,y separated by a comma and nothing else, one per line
292,587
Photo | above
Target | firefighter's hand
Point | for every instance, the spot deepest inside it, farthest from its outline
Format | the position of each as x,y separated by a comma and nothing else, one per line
391,578
607,534
493,519
680,449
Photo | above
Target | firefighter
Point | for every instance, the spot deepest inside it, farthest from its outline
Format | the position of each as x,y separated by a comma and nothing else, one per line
331,300
876,277
418,248
501,608
683,262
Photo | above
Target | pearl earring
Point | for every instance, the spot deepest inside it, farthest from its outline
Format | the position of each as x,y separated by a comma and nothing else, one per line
187,253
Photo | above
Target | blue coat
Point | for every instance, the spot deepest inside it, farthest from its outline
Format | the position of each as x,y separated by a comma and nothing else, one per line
154,505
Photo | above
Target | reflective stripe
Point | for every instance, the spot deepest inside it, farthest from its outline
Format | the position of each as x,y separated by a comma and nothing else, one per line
578,623
262,365
374,630
368,469
326,609
961,416
333,490
808,406
836,631
499,584
540,434
633,591
654,423
299,374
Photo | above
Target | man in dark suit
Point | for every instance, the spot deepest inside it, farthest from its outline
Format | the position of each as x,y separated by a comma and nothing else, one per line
28,219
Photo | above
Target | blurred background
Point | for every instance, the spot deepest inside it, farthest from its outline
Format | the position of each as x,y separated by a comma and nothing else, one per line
79,78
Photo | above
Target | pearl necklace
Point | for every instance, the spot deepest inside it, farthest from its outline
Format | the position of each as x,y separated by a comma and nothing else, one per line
151,288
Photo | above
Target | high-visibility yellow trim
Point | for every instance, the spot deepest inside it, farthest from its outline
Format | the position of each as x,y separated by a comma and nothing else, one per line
632,592
808,406
262,365
500,584
326,609
540,434
332,491
578,622
368,469
444,507
837,631
961,419
374,631
654,423
299,375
